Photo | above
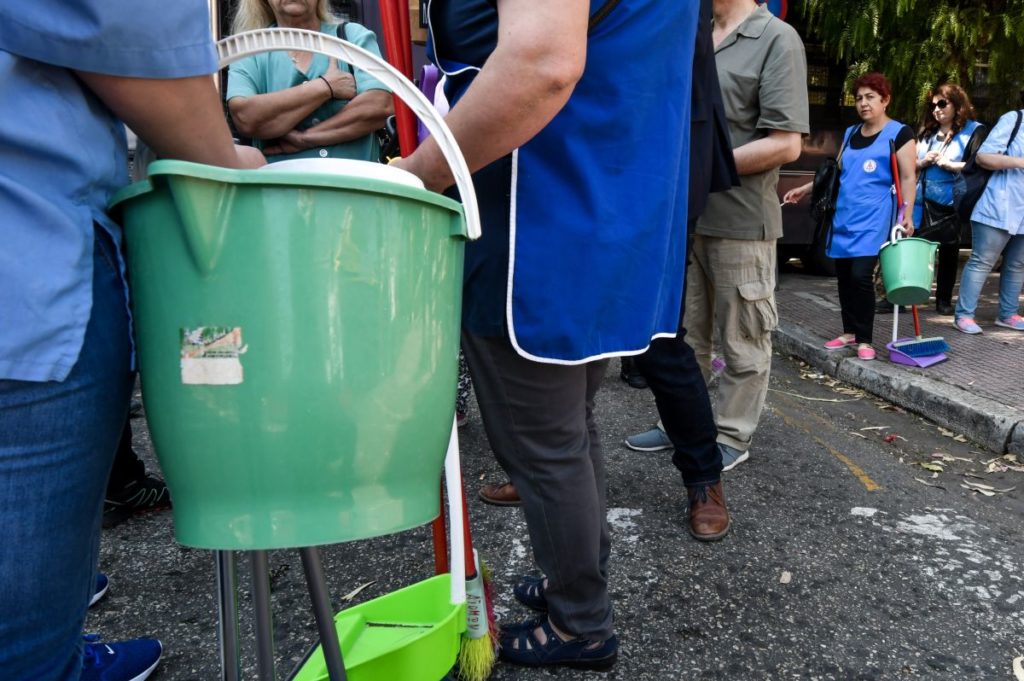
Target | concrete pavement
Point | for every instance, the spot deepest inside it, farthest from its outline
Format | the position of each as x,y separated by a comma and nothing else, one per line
976,392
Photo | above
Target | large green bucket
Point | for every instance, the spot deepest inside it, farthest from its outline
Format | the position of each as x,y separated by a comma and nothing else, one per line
908,269
298,344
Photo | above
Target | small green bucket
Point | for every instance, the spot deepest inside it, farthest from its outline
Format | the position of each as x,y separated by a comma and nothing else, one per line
908,269
298,339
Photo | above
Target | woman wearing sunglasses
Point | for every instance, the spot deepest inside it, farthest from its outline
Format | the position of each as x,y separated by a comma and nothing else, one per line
948,139
865,208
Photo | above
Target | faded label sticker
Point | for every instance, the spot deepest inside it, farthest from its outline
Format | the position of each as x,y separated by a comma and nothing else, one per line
210,355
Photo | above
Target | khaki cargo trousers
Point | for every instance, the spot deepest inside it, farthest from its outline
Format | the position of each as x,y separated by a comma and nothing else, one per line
730,301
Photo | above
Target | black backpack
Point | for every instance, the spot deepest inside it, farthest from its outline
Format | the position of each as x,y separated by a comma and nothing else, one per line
970,184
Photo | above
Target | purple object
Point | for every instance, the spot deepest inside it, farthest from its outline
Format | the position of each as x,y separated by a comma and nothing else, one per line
429,75
898,357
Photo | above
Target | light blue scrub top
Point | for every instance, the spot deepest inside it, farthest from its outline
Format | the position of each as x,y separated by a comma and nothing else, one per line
938,183
274,71
63,155
1002,204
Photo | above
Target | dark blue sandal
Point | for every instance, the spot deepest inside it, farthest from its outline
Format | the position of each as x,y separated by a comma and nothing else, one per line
519,645
530,592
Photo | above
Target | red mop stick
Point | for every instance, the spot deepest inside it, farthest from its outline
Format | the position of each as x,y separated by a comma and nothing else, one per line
395,15
899,204
437,529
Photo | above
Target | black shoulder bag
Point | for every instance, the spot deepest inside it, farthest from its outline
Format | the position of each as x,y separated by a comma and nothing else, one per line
939,222
825,187
970,184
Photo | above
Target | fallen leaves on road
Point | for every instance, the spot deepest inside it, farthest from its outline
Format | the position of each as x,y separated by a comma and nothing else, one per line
933,466
930,484
949,458
859,435
987,490
812,399
1018,668
874,428
1001,464
786,577
355,592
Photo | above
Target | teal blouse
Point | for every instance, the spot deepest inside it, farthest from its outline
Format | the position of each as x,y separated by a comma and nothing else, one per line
274,71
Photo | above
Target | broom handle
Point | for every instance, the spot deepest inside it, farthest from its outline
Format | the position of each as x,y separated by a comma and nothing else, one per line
917,322
437,529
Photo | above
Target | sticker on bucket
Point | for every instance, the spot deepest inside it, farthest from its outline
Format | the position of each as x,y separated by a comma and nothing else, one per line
209,355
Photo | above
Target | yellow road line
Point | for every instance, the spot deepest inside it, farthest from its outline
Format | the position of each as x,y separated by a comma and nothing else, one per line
865,479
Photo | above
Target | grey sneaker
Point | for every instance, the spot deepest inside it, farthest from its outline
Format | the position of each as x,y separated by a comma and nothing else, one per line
653,440
731,457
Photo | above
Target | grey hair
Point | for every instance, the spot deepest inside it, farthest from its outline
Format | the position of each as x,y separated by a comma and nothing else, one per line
256,14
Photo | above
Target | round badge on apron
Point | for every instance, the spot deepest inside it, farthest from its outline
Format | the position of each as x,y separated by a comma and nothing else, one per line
870,166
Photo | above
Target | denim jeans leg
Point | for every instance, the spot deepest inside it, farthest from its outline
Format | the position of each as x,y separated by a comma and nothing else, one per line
1011,277
987,244
57,441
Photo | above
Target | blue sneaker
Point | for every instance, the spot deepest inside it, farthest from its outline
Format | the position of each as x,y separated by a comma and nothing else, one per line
731,457
102,584
653,440
120,661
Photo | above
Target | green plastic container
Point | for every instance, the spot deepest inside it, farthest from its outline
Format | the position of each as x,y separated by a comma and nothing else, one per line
908,269
298,341
411,634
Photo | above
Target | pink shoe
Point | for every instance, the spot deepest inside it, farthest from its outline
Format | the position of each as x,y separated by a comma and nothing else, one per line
865,351
840,342
967,325
1016,322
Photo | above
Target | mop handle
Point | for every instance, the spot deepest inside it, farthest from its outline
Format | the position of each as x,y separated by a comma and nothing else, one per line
438,529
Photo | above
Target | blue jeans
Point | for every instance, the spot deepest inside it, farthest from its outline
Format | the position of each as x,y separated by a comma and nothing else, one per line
988,243
57,442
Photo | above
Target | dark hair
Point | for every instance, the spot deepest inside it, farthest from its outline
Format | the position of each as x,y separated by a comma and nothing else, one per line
963,110
874,81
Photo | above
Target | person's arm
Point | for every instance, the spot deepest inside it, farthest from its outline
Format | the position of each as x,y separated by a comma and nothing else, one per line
1000,161
273,114
798,194
906,157
539,58
360,117
778,148
178,118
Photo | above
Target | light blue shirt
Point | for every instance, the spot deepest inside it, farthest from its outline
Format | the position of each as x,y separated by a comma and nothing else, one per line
1002,204
938,183
63,155
274,71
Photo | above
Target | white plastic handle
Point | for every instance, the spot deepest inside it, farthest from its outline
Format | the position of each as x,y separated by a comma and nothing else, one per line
235,47
898,232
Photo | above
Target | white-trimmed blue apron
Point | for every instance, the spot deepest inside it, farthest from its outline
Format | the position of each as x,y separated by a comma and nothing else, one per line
584,244
865,209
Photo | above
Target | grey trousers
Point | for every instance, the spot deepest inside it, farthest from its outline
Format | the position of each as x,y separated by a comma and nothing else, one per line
539,419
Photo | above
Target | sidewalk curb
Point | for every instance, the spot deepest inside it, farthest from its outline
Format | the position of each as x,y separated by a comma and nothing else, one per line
985,421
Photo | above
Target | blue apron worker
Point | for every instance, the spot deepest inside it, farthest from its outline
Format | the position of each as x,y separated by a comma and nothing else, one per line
582,259
69,74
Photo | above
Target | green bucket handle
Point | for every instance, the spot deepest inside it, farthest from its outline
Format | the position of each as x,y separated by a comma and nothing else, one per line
235,47
246,44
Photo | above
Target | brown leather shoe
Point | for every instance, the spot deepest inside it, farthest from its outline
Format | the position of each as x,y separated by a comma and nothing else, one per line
709,518
502,494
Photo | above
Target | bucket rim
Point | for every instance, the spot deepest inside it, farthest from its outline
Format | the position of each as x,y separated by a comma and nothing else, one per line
286,178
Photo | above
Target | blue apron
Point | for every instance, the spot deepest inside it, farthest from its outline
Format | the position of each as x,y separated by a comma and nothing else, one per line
584,243
939,183
865,208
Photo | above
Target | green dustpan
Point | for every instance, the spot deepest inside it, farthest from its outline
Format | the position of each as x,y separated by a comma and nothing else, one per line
412,634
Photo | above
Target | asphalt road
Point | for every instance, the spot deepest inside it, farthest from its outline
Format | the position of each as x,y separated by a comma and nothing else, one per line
847,559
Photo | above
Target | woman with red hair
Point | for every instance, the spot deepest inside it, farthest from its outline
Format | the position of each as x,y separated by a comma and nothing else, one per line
866,207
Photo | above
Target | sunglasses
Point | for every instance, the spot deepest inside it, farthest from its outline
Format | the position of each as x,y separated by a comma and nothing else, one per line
941,104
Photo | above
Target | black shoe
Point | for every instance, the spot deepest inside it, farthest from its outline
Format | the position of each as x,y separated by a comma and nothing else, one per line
944,307
629,374
138,496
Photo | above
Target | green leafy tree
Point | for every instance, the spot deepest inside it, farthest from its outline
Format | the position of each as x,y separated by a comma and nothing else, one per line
918,44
